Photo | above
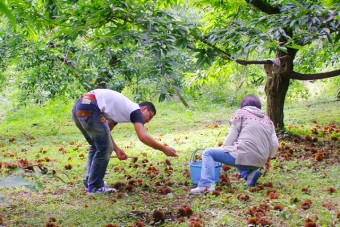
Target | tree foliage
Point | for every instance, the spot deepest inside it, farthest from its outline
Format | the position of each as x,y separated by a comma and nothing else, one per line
151,46
4,9
87,44
282,25
274,31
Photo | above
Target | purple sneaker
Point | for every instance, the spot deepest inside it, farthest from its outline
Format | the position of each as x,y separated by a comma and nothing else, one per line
86,187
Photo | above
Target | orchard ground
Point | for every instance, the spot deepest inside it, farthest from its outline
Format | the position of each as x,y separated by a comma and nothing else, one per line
43,157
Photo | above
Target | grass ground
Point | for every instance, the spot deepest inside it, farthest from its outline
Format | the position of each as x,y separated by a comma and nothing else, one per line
43,157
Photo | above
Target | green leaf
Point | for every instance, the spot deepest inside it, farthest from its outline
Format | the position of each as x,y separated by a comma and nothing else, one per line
161,97
38,182
295,46
16,181
8,13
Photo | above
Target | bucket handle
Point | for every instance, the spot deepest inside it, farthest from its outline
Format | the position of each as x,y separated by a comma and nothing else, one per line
193,153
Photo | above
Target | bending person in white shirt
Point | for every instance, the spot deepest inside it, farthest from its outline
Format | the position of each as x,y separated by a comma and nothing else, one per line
95,114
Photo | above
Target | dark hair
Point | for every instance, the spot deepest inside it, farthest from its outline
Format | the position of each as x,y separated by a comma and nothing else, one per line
149,105
251,100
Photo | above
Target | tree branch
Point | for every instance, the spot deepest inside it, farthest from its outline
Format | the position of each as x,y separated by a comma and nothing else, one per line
260,62
264,6
316,76
225,55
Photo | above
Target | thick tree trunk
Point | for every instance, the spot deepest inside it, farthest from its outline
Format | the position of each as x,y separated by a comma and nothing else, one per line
276,89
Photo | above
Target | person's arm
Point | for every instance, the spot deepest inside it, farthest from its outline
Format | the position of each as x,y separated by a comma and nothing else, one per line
232,136
119,152
235,128
268,162
273,147
111,124
145,138
274,144
267,166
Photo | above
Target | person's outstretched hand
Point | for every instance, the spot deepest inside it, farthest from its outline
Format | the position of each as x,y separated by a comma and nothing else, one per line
169,151
121,154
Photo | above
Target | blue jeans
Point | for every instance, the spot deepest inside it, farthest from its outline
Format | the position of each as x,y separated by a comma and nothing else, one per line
92,124
218,154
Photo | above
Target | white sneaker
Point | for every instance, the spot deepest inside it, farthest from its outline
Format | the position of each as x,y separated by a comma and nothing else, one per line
201,190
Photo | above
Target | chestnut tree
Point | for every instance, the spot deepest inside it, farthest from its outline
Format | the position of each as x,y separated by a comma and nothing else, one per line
275,31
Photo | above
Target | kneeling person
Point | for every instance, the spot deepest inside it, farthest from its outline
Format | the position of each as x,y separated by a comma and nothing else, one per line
250,145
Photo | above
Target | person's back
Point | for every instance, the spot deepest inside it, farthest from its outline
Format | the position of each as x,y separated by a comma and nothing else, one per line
250,145
254,142
115,105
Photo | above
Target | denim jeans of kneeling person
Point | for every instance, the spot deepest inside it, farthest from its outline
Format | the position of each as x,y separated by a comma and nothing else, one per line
218,154
97,134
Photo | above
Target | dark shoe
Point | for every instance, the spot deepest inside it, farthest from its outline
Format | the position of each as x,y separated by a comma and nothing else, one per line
253,177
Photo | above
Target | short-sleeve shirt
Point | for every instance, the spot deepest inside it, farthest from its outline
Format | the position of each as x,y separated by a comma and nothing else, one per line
117,107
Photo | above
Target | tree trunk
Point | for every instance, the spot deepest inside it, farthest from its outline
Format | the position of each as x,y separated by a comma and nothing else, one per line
276,89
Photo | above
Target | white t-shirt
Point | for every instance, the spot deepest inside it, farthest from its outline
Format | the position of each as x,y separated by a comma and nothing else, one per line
114,105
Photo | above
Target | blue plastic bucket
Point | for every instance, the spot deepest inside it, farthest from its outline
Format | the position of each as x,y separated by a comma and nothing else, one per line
196,166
